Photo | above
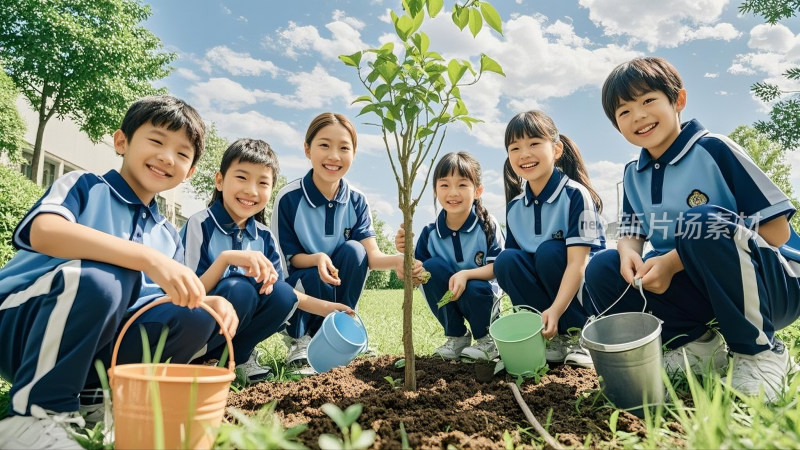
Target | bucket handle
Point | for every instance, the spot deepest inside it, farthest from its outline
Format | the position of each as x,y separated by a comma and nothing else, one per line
161,301
366,341
637,284
516,308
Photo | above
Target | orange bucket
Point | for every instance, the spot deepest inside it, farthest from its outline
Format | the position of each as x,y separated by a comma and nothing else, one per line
192,397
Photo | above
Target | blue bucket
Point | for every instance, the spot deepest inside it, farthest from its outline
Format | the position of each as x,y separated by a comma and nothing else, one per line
339,340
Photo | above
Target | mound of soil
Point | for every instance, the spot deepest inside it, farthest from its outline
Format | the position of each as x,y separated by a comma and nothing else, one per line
450,407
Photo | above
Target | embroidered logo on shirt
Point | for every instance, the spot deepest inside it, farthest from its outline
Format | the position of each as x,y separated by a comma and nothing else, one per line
479,258
558,235
696,198
347,232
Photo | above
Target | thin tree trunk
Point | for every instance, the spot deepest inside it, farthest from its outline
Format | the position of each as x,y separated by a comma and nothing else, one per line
408,298
37,160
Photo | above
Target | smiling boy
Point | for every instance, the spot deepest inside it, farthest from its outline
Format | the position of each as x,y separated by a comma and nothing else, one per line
91,250
718,226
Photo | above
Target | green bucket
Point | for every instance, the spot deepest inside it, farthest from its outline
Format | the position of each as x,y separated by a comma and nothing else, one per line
519,341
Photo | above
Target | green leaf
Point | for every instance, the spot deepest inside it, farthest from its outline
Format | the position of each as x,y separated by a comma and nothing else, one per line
336,414
363,98
364,440
421,41
475,22
352,412
460,16
330,441
446,298
434,7
491,17
490,65
351,60
460,109
390,125
612,421
382,90
402,26
370,108
400,363
455,70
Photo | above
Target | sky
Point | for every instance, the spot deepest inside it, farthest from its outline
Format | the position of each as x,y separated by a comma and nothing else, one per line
265,68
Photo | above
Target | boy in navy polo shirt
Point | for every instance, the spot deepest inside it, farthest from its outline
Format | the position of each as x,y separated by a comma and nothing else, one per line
718,227
92,249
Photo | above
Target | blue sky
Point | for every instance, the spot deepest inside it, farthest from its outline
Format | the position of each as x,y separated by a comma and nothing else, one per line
264,69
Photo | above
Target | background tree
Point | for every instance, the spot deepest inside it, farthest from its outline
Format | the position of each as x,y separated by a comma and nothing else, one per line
85,59
770,156
783,125
202,182
12,127
379,279
415,94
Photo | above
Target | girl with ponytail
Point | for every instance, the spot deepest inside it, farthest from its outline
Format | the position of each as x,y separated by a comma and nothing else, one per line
459,250
553,227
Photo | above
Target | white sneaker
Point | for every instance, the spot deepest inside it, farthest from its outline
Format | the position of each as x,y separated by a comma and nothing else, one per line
579,356
254,370
452,347
557,348
484,348
765,371
298,350
703,354
42,429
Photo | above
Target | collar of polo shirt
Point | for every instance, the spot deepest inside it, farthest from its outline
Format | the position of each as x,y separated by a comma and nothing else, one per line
315,198
554,185
469,224
226,224
123,191
691,131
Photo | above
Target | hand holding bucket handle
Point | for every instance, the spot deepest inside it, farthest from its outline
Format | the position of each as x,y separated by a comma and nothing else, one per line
161,301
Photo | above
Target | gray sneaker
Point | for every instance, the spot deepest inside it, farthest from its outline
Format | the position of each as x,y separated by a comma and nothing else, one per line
557,348
452,347
484,348
254,370
42,429
709,353
298,350
579,356
765,371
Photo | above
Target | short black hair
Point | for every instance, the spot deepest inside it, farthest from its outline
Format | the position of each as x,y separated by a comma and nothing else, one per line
170,112
636,77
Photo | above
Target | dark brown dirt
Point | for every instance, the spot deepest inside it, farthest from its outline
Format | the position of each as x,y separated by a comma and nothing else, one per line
449,407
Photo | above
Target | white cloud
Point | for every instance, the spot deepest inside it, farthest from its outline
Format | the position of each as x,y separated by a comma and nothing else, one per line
772,38
314,90
661,24
711,75
346,38
283,137
226,95
238,64
722,93
187,74
776,49
242,19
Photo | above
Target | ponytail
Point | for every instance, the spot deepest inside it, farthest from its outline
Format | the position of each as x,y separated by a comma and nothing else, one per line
511,181
487,224
571,163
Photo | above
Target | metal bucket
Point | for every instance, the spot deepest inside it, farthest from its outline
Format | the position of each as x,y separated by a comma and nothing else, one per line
626,350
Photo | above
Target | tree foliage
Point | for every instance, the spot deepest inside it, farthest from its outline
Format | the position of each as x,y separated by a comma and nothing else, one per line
770,156
84,59
783,125
379,279
415,93
17,195
12,127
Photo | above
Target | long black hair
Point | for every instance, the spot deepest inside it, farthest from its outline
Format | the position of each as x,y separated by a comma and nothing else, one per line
536,124
253,151
465,165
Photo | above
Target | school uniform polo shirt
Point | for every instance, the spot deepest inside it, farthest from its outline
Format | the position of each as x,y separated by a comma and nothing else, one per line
563,211
304,221
105,203
210,232
465,248
698,168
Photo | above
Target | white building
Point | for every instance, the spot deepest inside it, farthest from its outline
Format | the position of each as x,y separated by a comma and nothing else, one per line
67,148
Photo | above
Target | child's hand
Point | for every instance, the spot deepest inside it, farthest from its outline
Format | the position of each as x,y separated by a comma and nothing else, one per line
656,273
400,239
328,273
179,282
255,264
629,264
333,307
416,268
458,282
230,320
550,321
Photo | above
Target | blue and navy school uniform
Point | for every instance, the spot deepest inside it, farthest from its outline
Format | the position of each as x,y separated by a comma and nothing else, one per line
209,233
304,221
705,197
444,252
57,316
539,230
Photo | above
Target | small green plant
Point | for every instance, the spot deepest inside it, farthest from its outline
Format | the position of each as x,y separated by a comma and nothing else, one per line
395,383
619,437
536,376
446,298
400,363
508,442
263,431
404,437
353,437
